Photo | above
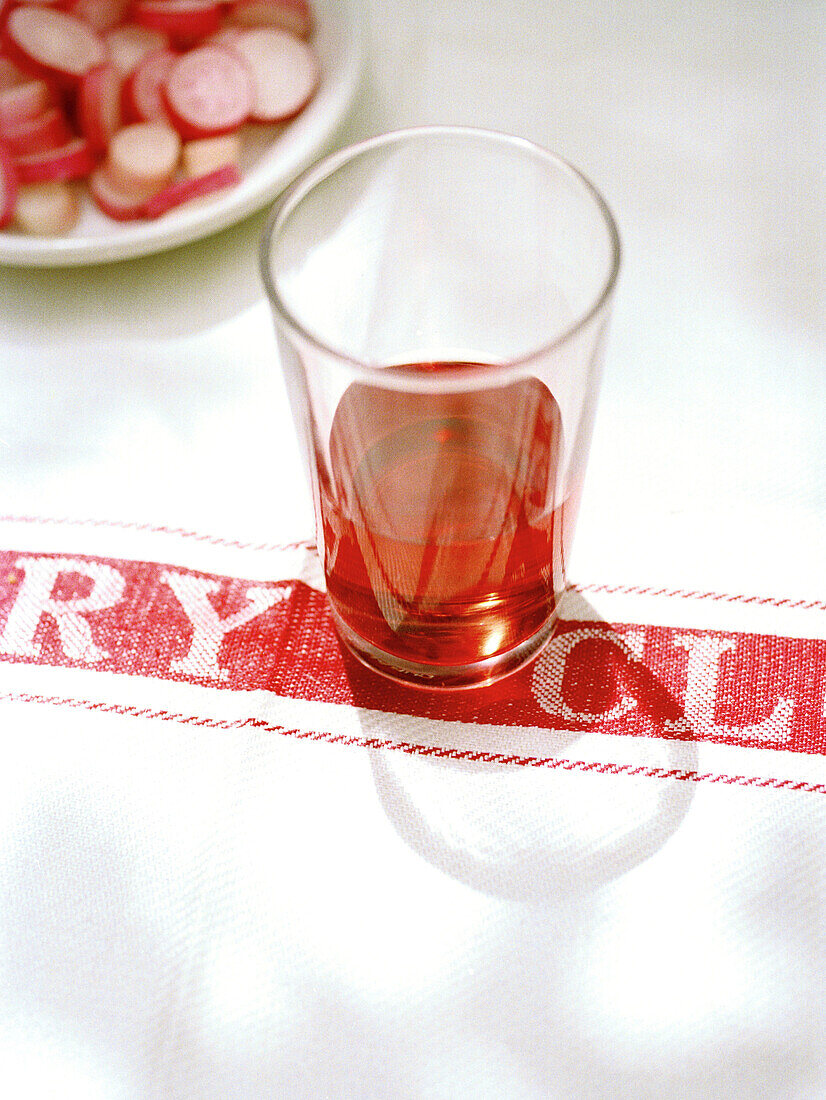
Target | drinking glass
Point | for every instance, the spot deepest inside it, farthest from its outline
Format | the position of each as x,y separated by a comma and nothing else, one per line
441,297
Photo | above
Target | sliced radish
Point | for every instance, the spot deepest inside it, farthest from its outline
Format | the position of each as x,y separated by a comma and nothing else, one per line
54,42
46,131
98,105
46,208
113,203
206,155
143,157
129,44
187,190
23,102
10,74
295,16
209,91
71,161
226,36
285,71
142,90
100,14
9,186
185,21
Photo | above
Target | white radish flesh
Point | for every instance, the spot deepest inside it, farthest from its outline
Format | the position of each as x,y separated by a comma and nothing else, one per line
143,157
46,208
188,190
206,155
98,105
285,72
54,41
209,91
129,44
9,187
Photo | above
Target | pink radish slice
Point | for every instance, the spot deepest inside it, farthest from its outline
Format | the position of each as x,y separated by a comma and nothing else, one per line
8,186
142,91
129,44
98,105
46,208
285,72
71,161
143,157
226,36
52,40
187,190
295,16
185,21
100,14
111,201
9,74
23,102
209,91
47,131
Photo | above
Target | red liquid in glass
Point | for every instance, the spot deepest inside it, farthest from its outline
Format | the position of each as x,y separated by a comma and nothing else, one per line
443,534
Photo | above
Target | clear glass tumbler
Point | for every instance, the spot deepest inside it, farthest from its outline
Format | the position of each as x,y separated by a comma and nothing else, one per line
441,299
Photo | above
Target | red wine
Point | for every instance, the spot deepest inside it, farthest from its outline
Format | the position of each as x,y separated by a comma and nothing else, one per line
443,531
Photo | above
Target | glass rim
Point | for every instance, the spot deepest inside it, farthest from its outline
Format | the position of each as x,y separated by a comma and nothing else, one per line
396,375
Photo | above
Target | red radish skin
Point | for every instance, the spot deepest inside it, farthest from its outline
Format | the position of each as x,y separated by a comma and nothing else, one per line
23,102
143,157
187,190
209,91
8,186
98,106
285,72
54,42
129,44
71,161
295,16
111,201
185,21
102,15
142,89
46,131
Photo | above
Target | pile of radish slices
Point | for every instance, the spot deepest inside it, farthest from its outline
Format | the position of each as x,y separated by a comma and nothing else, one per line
144,100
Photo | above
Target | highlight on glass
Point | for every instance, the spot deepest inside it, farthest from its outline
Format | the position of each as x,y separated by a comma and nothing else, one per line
441,299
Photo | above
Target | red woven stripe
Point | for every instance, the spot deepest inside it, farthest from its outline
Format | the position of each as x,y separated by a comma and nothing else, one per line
166,623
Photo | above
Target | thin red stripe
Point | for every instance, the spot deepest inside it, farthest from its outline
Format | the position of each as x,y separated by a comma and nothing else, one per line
467,755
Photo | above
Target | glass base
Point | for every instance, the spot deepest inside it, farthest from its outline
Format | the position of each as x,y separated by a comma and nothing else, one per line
443,677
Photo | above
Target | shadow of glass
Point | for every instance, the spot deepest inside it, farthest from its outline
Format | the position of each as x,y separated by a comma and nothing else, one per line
580,804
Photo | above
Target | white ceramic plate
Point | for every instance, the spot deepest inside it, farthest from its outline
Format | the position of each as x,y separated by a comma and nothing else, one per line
271,161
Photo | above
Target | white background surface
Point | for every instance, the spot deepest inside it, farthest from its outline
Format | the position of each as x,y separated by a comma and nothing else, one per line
189,915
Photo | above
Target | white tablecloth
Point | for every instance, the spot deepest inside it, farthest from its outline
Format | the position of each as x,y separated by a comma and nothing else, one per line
220,910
